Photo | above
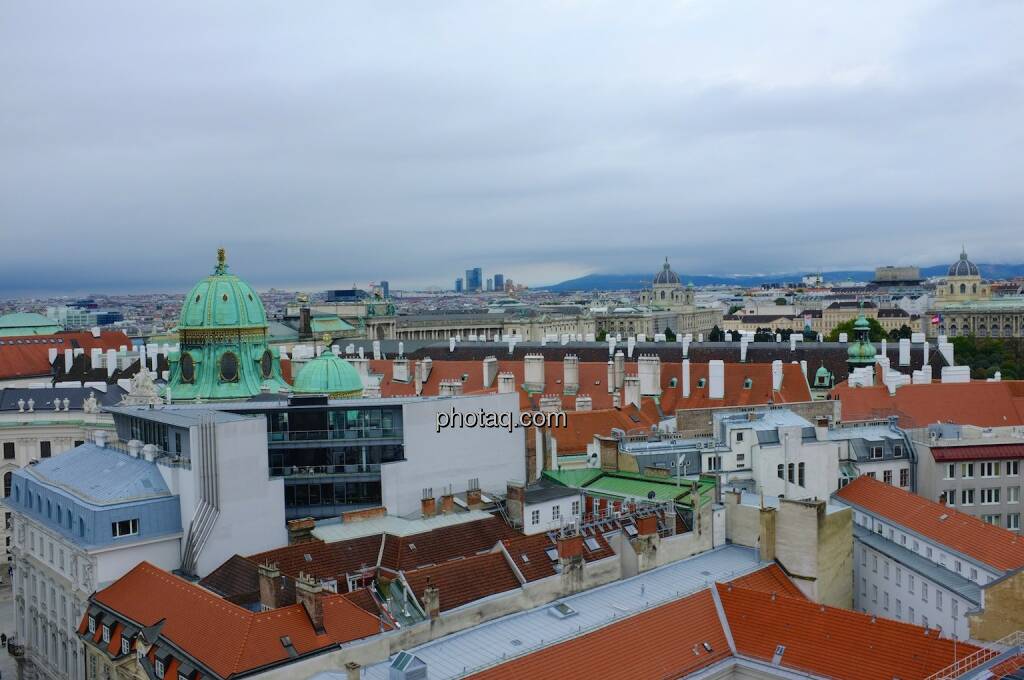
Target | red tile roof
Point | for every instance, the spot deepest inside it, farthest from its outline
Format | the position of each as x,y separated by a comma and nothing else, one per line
666,642
582,426
981,403
978,452
529,553
463,581
963,533
771,579
831,642
227,638
593,377
24,357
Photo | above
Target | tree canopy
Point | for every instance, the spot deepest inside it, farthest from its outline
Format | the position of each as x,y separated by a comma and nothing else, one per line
875,334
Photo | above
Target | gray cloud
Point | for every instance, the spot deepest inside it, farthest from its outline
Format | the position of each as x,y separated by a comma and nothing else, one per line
330,143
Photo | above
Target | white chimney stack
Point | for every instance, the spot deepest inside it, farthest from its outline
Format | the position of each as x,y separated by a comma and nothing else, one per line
490,370
533,366
744,341
111,362
716,379
632,390
649,367
376,350
686,378
904,351
620,369
51,355
776,375
611,376
69,359
570,374
630,345
584,402
506,383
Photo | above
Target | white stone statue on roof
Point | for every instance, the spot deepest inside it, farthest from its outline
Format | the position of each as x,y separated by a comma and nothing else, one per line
143,390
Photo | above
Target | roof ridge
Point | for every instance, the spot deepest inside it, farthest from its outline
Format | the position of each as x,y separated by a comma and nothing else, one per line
235,665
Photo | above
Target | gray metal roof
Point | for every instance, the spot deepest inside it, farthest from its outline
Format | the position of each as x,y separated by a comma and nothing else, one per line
965,588
178,416
526,632
101,475
543,492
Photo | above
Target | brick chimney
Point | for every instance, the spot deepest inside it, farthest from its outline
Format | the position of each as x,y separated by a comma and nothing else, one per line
301,530
647,526
428,504
515,499
309,593
473,496
570,551
432,600
270,585
447,503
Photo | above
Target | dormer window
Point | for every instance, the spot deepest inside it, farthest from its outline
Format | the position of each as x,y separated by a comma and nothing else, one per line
701,382
106,633
158,668
126,645
748,383
92,624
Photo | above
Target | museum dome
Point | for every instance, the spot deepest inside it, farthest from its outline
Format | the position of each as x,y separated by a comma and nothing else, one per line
222,301
328,374
666,275
963,266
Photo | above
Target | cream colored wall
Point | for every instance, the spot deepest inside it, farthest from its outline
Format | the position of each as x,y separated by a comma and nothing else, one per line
1003,609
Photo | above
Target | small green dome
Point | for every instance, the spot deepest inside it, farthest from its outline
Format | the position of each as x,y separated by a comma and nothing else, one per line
861,351
861,324
222,301
822,373
328,374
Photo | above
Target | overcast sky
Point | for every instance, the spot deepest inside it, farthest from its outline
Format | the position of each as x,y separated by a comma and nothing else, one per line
326,143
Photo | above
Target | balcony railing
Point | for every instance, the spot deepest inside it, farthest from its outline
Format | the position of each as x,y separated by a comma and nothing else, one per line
352,435
318,470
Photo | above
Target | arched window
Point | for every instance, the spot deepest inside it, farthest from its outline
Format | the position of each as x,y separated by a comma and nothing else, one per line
8,478
1007,331
952,330
662,295
963,288
974,288
792,469
800,474
951,289
982,331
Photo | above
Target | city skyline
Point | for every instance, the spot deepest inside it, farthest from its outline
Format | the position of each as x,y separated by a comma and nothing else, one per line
772,139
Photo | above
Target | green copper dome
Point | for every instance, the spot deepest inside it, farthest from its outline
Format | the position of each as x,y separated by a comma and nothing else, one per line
861,351
222,300
328,374
223,351
823,373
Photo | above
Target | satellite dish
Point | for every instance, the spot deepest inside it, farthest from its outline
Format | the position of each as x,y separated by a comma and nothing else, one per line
650,495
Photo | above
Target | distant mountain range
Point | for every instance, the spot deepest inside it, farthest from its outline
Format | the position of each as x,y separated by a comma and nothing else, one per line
638,281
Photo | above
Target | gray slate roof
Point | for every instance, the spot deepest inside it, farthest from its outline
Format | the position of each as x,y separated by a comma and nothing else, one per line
101,475
965,588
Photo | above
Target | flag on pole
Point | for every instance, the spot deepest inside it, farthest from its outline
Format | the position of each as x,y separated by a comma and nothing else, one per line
936,319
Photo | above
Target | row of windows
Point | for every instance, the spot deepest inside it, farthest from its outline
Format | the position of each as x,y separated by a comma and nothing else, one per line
927,593
937,556
45,449
787,473
986,496
985,469
556,513
331,493
64,518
